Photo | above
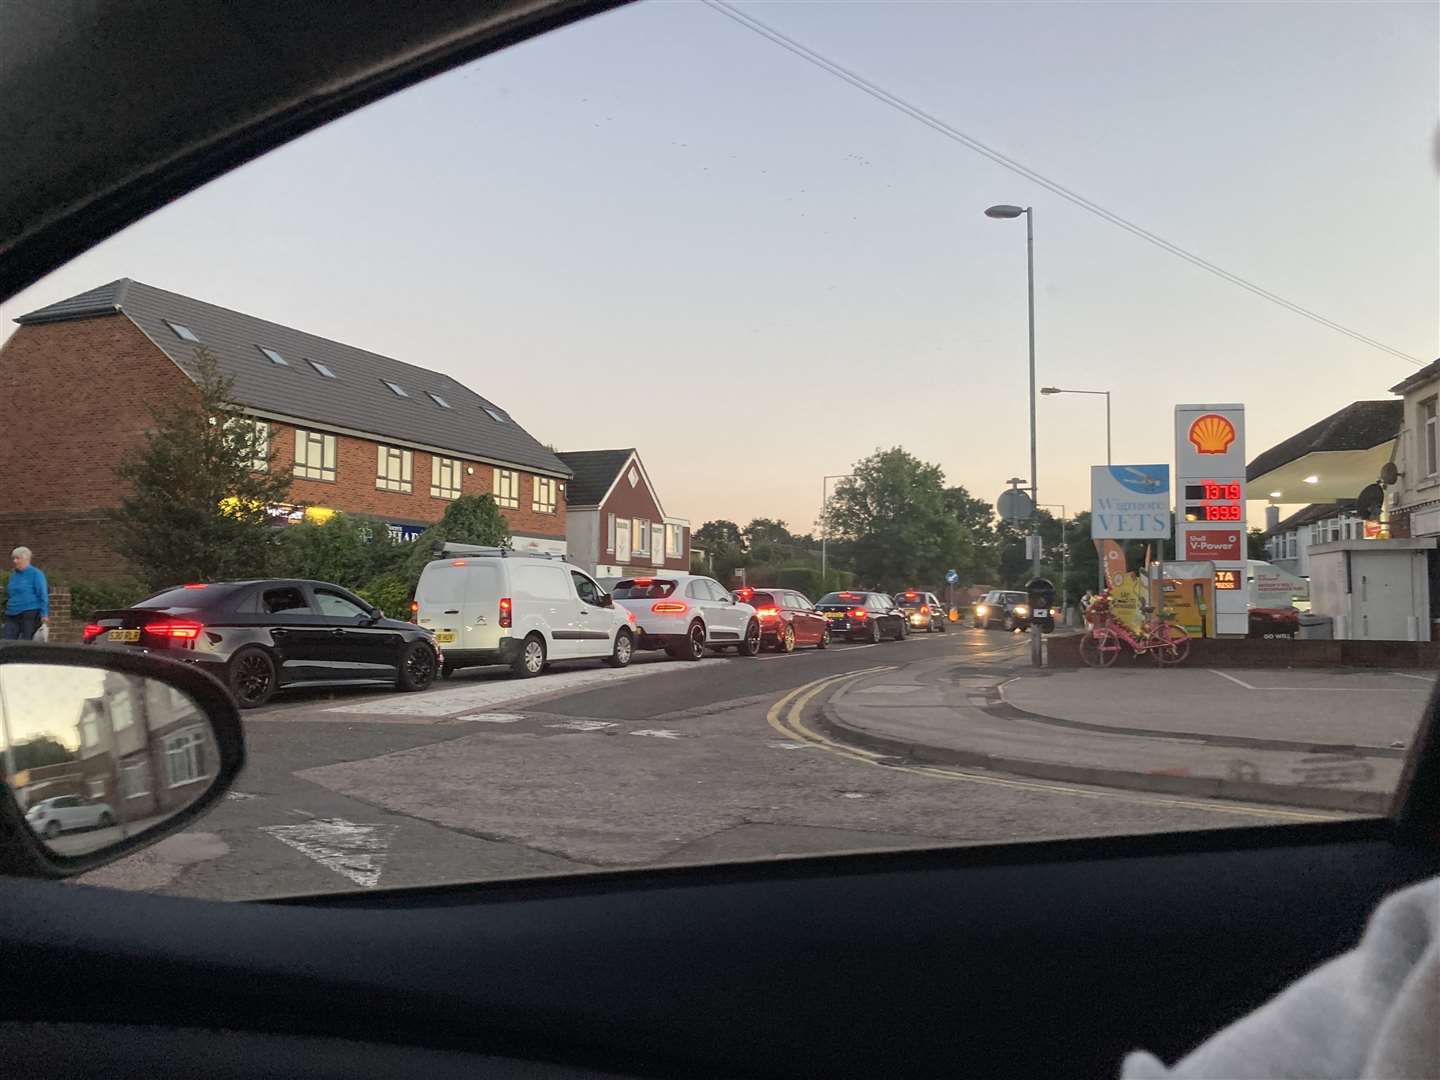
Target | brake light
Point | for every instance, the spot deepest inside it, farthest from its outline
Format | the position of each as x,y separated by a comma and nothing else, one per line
180,631
197,585
859,613
506,613
767,612
744,594
849,596
909,596
458,562
414,607
92,631
669,607
644,581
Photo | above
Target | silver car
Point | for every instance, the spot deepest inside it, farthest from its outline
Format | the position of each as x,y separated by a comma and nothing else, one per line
64,813
685,614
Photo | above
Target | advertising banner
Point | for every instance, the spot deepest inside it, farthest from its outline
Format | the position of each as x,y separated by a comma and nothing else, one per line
1112,561
1129,502
1210,544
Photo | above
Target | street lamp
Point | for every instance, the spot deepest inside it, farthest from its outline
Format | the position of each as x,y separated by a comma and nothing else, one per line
824,524
1048,390
1004,210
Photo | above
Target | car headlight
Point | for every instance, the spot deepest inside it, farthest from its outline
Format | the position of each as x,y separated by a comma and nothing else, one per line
1021,609
982,610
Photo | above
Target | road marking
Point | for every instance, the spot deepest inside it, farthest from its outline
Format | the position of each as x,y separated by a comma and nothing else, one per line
784,717
489,718
353,851
583,725
1325,689
238,795
787,744
1407,675
663,733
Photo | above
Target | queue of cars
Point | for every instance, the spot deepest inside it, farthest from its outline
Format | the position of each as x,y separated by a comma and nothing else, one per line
483,606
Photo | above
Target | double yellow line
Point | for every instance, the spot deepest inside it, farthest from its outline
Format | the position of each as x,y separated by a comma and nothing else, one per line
786,716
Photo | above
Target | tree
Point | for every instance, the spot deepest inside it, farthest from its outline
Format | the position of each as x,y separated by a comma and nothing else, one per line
195,506
724,547
470,519
1256,545
977,522
892,509
768,540
349,550
43,749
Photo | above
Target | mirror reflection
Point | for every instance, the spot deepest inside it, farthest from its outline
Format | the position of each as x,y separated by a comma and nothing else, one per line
94,757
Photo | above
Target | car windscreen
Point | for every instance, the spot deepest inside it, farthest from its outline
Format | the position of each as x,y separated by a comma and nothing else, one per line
843,598
188,598
643,589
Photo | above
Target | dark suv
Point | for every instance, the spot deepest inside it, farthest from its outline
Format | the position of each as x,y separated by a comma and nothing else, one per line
259,636
1008,607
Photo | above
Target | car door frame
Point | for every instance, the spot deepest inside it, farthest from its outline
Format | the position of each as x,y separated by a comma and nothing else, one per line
360,648
595,640
720,613
559,614
807,633
298,643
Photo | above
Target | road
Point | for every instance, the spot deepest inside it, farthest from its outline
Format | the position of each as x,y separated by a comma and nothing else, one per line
485,776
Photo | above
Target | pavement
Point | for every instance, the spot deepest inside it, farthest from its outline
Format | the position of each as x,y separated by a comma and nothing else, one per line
1303,738
486,776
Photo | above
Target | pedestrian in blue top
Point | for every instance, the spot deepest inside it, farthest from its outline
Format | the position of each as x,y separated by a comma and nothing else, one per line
27,598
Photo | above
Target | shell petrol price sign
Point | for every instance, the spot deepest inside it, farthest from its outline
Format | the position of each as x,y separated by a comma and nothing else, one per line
1210,517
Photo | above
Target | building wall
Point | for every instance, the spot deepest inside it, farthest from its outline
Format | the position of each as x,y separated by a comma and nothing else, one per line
76,396
629,503
1417,510
582,537
353,489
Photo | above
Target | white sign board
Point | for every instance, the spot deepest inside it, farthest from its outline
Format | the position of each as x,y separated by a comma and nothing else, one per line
1129,502
1210,518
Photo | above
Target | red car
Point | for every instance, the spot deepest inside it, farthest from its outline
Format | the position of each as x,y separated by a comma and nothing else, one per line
787,618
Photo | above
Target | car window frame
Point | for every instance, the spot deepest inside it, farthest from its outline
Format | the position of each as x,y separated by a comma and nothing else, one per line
316,591
289,613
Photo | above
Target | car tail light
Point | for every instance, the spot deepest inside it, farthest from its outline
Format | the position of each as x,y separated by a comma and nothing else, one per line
506,613
767,612
859,613
180,631
669,607
644,581
458,562
924,609
414,607
92,631
909,596
196,585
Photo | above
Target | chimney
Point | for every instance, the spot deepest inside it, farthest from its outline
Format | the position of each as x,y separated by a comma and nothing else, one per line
1272,516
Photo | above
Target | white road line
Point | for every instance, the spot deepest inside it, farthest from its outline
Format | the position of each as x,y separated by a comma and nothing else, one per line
662,733
582,725
1232,678
489,718
1407,675
354,851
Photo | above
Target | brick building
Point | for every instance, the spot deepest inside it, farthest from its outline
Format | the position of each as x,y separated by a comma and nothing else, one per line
362,433
614,524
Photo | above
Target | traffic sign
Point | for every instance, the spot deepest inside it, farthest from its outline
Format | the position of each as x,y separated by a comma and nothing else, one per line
951,576
1014,505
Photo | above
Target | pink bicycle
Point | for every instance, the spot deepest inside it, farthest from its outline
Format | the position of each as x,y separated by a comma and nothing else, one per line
1167,643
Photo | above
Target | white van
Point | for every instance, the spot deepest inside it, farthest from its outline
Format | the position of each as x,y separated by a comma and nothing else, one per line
496,606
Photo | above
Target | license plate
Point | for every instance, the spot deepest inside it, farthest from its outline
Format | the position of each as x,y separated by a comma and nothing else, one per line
445,637
1042,613
123,635
834,616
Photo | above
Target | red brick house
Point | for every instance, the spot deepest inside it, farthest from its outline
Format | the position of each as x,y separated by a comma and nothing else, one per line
363,433
614,523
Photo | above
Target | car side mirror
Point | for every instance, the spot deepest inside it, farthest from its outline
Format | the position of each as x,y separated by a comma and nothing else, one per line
119,786
605,600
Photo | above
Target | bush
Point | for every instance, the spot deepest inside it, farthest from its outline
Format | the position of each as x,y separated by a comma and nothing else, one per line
347,550
805,579
87,597
390,593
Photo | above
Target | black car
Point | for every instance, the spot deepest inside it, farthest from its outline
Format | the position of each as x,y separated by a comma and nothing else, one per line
1008,607
260,636
863,616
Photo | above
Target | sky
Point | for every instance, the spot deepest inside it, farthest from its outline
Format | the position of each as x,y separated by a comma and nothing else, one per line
658,229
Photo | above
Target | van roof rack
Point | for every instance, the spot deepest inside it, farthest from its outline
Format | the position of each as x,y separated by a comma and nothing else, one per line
450,549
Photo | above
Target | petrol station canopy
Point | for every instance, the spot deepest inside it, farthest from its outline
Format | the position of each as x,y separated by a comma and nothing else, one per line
1332,460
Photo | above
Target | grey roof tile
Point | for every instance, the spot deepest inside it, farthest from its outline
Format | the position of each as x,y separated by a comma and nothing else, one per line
593,473
1358,426
357,398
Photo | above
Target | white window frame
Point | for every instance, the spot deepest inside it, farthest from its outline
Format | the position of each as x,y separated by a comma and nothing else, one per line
394,469
674,541
315,453
544,495
639,533
622,540
96,788
135,768
609,534
1430,436
443,486
507,488
184,746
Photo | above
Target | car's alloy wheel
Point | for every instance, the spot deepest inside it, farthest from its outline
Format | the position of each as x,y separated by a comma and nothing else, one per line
531,660
695,642
417,666
750,646
252,677
824,642
786,643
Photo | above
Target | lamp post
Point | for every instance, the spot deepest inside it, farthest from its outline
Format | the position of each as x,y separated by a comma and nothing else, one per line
1006,211
1048,390
825,525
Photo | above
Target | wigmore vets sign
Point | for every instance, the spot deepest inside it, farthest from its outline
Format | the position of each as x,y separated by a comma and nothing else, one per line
1130,502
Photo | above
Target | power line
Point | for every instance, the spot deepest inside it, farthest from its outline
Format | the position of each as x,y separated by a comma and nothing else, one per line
931,121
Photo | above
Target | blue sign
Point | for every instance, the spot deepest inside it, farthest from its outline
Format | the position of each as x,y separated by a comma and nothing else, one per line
405,532
951,577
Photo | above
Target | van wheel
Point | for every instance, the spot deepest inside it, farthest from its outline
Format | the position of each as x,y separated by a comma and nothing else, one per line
531,660
624,650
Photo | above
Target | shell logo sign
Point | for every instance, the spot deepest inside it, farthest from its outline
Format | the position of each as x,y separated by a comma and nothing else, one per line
1212,434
